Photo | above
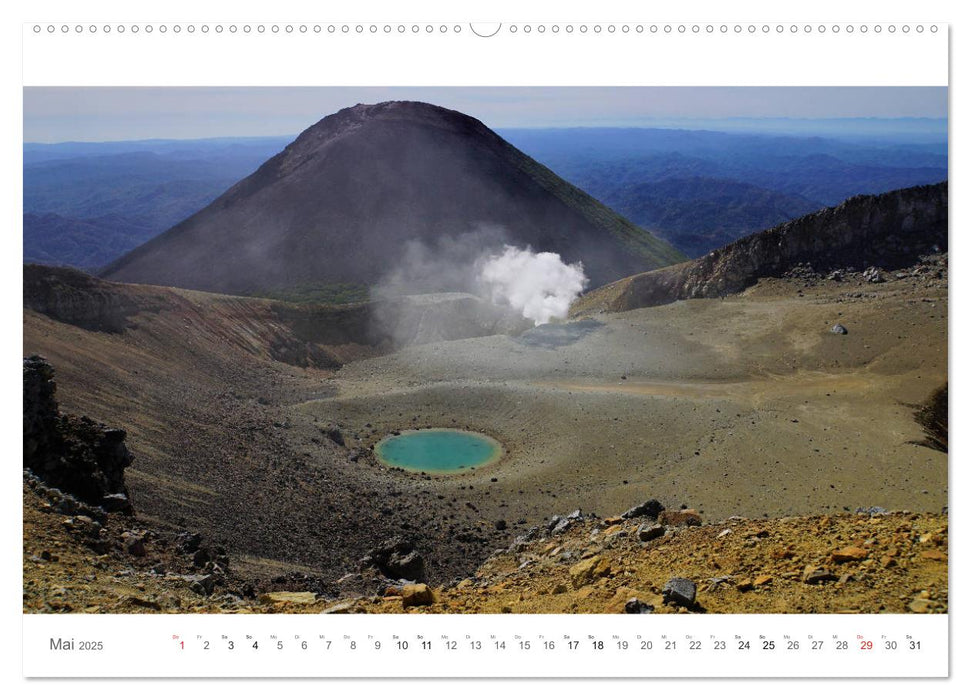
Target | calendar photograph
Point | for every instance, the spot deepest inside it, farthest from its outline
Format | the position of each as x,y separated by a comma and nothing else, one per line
484,350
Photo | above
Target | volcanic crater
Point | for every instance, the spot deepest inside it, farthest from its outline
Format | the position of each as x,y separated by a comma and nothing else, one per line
718,384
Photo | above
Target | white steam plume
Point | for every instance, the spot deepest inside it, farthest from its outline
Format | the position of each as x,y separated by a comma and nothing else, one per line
540,286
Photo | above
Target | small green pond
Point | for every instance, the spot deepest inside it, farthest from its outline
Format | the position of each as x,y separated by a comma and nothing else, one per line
440,451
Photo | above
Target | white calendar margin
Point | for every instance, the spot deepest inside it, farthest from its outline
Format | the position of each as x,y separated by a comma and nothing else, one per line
319,51
175,645
701,11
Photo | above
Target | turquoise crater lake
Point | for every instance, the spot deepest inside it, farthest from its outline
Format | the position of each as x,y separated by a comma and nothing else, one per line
440,451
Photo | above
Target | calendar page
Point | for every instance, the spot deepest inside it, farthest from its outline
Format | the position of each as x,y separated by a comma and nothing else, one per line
505,343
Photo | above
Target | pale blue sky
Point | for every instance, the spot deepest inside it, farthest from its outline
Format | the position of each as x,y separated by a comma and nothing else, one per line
118,113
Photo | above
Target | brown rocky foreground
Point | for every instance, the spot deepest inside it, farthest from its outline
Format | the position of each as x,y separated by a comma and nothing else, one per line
823,564
893,562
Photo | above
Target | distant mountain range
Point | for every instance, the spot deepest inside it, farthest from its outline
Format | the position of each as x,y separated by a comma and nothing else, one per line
699,214
131,190
88,244
88,203
702,189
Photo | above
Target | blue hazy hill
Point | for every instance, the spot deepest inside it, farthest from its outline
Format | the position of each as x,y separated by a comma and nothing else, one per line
86,204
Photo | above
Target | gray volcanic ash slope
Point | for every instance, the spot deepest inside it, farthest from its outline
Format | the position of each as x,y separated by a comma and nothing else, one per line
341,202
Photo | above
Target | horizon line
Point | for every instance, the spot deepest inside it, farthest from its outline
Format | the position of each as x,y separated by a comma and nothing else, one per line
665,124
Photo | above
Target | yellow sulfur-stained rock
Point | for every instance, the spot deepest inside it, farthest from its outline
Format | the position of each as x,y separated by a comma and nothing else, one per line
294,598
416,594
588,570
849,554
919,605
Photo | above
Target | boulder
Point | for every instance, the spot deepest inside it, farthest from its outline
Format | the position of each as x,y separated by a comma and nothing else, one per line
339,608
561,523
416,594
397,559
679,518
87,527
813,575
610,532
846,554
649,509
143,603
588,570
680,591
919,605
873,275
221,557
637,607
530,534
410,566
135,544
201,557
189,542
838,329
648,532
116,503
204,585
291,597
